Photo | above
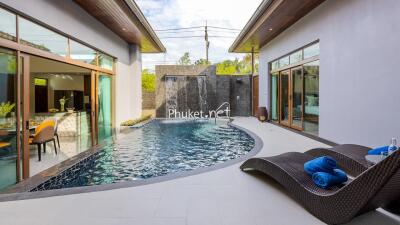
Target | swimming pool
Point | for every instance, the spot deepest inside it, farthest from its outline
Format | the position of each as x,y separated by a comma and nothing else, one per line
161,147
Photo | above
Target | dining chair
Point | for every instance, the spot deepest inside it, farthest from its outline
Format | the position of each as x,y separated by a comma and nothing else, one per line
5,145
55,128
43,133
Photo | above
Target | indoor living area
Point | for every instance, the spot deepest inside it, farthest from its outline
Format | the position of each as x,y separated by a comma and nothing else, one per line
62,93
52,94
55,98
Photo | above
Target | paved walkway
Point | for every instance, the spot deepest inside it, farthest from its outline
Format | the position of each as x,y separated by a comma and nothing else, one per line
223,197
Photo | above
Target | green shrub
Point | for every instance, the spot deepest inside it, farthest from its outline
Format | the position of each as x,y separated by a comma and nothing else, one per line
148,81
136,121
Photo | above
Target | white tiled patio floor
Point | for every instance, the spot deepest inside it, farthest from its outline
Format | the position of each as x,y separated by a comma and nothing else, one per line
69,146
223,197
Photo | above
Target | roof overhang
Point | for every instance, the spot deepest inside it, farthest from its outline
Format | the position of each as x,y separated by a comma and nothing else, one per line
126,20
271,18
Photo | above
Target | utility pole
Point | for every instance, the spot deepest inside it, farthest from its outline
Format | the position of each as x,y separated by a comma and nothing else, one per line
207,42
252,61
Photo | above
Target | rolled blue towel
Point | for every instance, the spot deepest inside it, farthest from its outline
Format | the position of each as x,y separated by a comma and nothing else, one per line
378,151
327,180
320,164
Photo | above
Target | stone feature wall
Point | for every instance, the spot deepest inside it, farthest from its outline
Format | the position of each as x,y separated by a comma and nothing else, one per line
198,88
149,100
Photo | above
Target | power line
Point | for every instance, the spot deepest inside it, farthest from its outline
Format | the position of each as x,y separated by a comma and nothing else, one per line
214,36
180,31
197,27
224,28
194,31
183,28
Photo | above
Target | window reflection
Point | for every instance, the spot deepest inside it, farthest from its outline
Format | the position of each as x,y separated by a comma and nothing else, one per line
296,57
275,65
41,38
311,94
82,53
106,61
284,61
8,25
7,118
274,96
311,51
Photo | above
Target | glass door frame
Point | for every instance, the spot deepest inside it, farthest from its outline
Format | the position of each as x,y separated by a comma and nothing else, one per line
289,73
291,97
23,111
94,106
280,96
96,90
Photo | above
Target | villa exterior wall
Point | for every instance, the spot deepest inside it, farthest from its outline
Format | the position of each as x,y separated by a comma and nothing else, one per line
71,19
359,97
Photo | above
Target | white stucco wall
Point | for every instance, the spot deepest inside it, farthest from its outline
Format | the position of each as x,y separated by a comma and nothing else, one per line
128,96
70,18
359,59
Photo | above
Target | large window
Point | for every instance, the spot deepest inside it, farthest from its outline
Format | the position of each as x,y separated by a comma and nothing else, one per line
82,53
296,57
106,61
294,89
8,25
311,51
39,37
34,35
284,61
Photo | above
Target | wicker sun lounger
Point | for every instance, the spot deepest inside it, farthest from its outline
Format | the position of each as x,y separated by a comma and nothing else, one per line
352,158
375,187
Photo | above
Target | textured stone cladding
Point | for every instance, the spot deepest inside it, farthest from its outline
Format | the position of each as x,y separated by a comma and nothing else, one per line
198,88
149,100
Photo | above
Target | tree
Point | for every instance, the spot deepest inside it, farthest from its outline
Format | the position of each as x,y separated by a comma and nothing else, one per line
185,59
227,67
148,81
202,62
237,67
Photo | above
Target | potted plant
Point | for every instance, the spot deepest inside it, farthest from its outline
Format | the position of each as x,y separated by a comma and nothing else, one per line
5,109
62,101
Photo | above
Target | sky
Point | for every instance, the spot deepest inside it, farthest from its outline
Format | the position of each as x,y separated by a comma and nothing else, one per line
170,14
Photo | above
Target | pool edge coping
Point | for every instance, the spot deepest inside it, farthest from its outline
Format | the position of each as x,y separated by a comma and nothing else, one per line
6,197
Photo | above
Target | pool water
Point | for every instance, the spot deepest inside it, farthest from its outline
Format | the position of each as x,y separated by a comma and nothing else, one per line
159,148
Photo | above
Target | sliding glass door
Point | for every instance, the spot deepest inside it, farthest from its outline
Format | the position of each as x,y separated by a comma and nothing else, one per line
296,100
284,97
8,118
295,97
311,97
104,112
274,96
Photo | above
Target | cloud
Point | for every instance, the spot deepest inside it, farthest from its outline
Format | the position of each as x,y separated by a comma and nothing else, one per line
166,14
